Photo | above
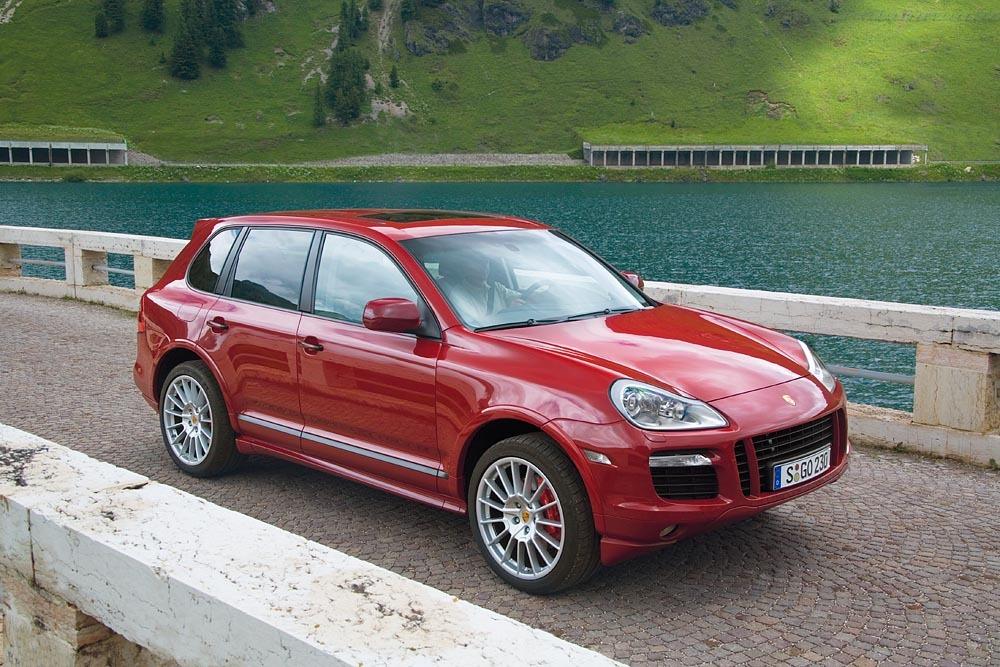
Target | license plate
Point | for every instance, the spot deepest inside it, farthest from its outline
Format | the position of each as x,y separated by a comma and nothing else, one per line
790,473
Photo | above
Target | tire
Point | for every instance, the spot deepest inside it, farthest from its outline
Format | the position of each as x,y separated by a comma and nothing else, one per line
538,459
202,447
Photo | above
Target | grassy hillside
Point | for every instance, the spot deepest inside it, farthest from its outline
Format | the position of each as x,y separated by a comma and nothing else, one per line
924,71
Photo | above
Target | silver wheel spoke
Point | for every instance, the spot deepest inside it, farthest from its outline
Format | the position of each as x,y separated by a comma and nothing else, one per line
502,496
490,503
544,535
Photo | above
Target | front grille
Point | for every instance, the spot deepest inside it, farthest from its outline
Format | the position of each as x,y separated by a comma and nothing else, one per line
686,482
743,467
789,444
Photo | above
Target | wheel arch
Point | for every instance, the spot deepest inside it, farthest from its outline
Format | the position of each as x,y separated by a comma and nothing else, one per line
507,422
180,353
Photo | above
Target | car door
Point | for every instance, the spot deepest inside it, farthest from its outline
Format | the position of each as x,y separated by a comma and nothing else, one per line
368,397
250,333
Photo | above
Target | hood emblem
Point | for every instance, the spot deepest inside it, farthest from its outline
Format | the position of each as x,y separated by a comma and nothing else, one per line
788,399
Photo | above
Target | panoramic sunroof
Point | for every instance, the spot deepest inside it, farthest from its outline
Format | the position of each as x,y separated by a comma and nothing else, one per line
421,216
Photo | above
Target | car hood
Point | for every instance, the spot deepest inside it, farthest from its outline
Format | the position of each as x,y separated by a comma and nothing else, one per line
701,354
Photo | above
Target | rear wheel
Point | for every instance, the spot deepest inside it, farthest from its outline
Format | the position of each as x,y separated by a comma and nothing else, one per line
531,517
195,424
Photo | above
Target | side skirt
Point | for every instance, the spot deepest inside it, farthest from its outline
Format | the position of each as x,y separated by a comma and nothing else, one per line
437,500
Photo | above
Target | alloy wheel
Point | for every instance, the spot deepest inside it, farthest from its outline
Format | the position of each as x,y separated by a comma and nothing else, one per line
520,518
187,419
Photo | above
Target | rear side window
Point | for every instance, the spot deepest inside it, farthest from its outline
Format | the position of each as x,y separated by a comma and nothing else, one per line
270,266
207,266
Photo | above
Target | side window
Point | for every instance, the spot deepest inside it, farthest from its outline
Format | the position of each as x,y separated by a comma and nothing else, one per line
206,267
270,266
351,273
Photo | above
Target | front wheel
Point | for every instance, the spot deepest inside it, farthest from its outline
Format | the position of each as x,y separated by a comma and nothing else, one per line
531,517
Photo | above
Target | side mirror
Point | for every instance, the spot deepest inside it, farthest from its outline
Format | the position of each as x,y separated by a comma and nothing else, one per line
391,314
635,279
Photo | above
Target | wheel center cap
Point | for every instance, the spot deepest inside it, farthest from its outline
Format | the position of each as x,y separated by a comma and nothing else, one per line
525,516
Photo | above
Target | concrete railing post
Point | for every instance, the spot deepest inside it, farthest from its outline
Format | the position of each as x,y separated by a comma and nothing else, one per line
957,388
147,271
10,258
84,273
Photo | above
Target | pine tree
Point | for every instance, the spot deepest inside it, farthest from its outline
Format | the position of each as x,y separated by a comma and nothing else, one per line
319,111
345,87
100,25
184,58
152,17
346,33
217,51
374,5
227,16
114,12
408,10
394,77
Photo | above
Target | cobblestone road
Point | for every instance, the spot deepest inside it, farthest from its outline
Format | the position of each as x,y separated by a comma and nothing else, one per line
897,563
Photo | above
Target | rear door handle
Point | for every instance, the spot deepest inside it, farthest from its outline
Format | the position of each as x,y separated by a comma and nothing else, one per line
311,345
218,324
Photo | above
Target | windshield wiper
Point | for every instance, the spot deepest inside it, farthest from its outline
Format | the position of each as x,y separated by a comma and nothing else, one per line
605,311
530,322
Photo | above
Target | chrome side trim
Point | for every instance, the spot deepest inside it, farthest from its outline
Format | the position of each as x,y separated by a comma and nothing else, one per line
257,421
343,446
378,456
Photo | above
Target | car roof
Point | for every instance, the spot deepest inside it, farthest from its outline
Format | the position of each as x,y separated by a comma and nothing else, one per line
397,224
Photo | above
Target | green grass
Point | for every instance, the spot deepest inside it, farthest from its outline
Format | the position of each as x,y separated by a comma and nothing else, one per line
880,71
26,132
291,174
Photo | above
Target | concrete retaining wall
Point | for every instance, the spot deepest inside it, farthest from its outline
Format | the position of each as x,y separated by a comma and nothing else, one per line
178,578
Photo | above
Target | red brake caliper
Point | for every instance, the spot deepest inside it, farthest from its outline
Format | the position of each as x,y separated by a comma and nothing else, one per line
551,513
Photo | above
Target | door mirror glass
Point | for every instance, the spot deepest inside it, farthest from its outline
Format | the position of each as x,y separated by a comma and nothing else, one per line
635,279
391,314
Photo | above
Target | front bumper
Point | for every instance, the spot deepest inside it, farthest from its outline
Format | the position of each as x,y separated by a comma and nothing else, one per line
635,519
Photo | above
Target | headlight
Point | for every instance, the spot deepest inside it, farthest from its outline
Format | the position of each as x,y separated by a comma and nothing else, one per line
817,369
659,410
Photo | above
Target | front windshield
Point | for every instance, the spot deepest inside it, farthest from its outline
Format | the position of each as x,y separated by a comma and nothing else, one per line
520,278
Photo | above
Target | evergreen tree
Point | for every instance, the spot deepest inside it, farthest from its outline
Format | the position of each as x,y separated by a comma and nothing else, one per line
374,5
345,87
408,10
394,77
114,12
346,23
227,16
217,51
184,58
152,17
319,111
100,25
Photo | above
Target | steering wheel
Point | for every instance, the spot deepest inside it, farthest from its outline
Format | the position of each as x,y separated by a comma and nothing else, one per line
540,287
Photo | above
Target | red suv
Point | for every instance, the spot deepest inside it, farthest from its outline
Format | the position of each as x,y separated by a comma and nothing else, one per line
486,365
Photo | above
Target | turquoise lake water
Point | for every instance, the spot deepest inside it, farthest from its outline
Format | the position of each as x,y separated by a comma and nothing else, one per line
914,242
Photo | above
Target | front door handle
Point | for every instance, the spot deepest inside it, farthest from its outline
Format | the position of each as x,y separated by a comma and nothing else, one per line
311,345
218,324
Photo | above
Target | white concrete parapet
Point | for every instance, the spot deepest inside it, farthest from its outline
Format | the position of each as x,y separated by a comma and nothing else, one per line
836,316
85,261
202,585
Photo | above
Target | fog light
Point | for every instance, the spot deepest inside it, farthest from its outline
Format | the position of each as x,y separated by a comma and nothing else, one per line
596,457
666,531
